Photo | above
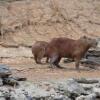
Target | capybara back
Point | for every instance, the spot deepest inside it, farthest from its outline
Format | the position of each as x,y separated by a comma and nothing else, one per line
70,48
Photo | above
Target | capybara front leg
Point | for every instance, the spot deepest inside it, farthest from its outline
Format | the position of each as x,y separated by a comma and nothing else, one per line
39,61
36,59
39,57
77,64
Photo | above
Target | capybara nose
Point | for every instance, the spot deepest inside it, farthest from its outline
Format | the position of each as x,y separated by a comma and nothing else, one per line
96,44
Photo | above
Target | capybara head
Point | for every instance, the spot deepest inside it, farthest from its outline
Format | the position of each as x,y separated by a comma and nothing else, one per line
39,50
91,42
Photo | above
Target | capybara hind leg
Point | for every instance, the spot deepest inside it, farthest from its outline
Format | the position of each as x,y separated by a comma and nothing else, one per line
58,66
53,60
57,63
47,59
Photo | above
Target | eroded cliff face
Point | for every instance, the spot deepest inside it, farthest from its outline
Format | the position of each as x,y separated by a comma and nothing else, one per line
24,21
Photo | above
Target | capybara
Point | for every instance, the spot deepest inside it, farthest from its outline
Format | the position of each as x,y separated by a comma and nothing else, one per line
38,50
66,47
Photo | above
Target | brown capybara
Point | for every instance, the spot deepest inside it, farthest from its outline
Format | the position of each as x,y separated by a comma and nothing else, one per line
38,50
66,47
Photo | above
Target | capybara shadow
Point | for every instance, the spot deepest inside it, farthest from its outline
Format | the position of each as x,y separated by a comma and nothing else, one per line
38,50
70,48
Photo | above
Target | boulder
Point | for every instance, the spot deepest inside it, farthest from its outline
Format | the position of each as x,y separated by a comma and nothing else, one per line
10,81
87,81
71,88
88,97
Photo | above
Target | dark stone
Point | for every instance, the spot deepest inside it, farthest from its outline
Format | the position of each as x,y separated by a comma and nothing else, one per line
94,53
87,81
10,81
4,71
67,60
19,78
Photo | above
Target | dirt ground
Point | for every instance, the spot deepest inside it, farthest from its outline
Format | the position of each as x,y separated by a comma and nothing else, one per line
36,72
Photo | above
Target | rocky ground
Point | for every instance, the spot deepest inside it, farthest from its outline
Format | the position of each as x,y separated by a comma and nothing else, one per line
24,21
65,89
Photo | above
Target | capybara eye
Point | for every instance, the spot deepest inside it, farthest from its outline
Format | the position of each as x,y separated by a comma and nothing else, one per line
84,37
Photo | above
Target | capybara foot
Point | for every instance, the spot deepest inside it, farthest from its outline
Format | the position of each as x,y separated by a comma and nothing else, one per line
47,60
38,62
60,67
52,66
78,70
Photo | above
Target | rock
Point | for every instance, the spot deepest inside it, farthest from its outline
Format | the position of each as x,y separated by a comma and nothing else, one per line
96,91
18,78
10,81
92,61
92,58
57,90
87,81
1,82
4,71
93,53
67,60
88,97
17,94
2,96
88,88
4,93
34,91
28,97
71,88
60,97
98,42
93,64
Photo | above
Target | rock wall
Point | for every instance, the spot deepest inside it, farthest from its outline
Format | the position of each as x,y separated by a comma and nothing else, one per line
24,21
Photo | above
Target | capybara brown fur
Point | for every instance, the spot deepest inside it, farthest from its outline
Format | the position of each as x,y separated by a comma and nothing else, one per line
70,48
38,50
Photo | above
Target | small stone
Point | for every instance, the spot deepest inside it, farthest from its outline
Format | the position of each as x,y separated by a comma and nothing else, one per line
60,97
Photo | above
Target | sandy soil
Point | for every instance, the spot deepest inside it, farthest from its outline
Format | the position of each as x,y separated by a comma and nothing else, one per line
36,72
